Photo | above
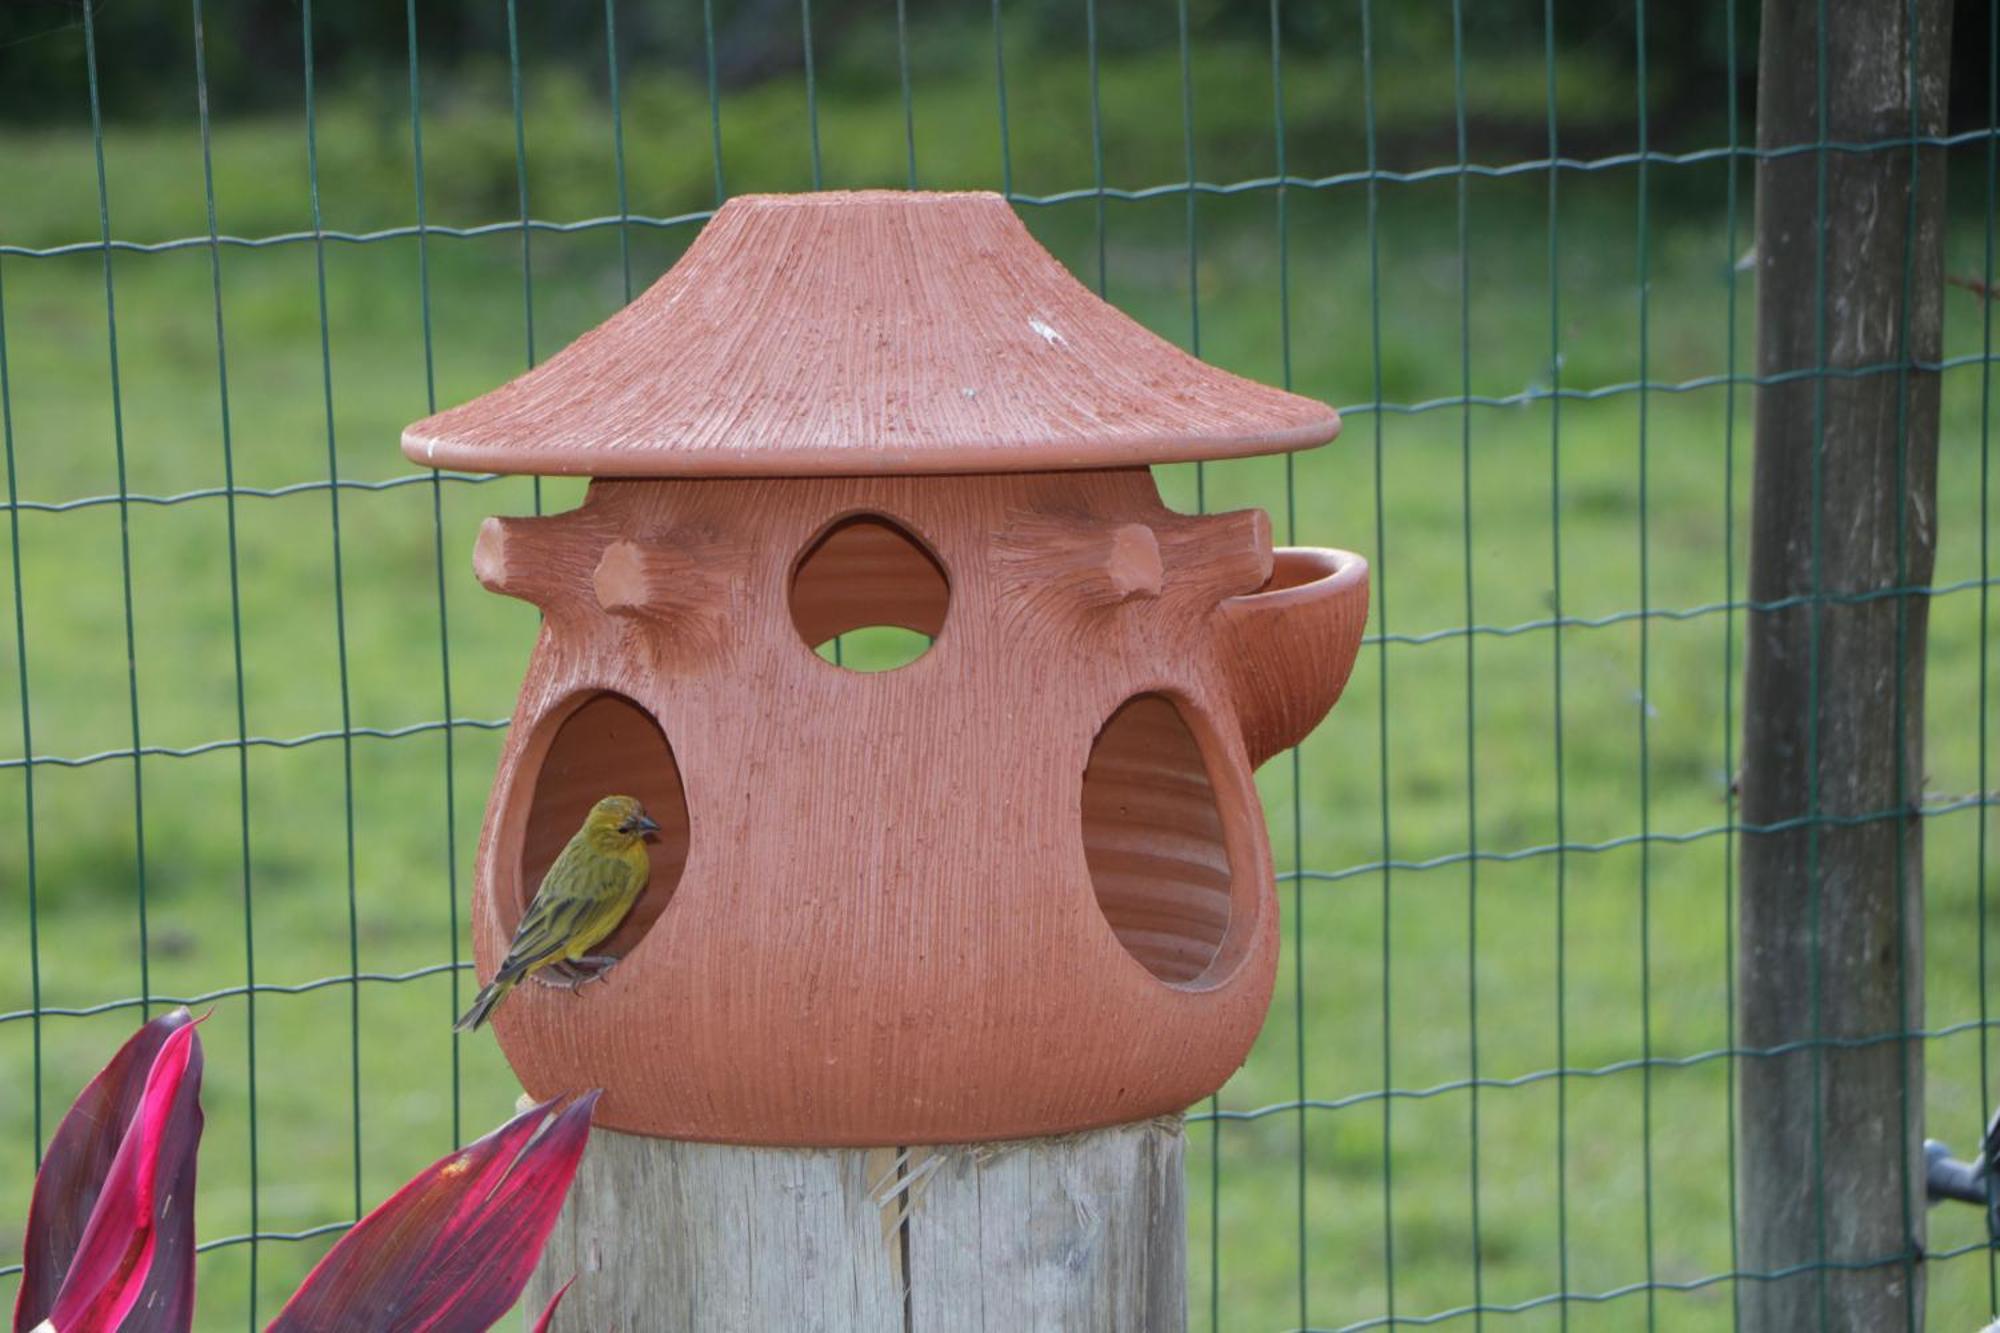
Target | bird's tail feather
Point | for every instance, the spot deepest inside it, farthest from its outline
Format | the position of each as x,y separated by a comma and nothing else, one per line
482,1004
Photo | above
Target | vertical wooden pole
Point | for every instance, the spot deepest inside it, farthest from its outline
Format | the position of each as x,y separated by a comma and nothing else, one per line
1082,1232
1849,295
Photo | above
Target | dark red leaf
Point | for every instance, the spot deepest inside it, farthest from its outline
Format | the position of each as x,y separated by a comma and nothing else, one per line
166,1303
73,1169
157,1248
114,1258
549,1310
480,1268
452,1249
383,1252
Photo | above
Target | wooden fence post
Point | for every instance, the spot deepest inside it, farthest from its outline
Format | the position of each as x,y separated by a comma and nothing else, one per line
1849,285
1079,1232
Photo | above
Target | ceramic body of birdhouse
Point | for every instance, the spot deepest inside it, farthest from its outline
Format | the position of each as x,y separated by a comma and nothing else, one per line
1018,886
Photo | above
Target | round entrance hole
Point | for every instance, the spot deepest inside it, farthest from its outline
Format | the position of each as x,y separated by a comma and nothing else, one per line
868,596
608,746
1153,837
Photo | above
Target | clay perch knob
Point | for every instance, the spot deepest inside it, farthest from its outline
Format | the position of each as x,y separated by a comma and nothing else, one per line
1130,566
538,560
672,583
490,564
636,577
1080,559
1214,556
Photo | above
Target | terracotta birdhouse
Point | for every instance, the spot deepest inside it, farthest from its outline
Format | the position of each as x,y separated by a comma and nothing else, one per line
1018,886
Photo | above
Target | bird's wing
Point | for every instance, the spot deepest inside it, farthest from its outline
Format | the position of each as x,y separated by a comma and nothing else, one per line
550,923
613,885
583,898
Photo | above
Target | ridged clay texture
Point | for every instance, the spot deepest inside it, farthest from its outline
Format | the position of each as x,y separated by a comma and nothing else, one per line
921,905
1017,887
865,333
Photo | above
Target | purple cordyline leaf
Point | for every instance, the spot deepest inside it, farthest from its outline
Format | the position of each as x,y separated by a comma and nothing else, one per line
479,1272
114,1259
451,1251
131,1266
549,1310
166,1302
384,1251
73,1169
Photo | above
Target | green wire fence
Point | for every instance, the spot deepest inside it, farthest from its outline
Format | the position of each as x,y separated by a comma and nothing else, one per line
1500,1080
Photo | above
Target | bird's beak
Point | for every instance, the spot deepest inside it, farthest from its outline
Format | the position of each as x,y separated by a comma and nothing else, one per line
646,824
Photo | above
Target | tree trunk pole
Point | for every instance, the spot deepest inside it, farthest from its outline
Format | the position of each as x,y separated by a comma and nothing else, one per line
1081,1232
1849,261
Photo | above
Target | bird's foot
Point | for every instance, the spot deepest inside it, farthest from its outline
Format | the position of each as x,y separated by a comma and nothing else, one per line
556,976
573,974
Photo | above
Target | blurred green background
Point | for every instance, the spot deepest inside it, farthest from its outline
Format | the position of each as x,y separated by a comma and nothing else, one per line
1345,1179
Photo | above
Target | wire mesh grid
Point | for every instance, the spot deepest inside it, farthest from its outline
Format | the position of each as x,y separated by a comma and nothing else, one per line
1499,1079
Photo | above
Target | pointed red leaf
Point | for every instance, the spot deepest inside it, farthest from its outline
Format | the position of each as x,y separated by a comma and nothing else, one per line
73,1169
166,1302
482,1265
383,1251
452,1249
549,1310
111,1221
115,1256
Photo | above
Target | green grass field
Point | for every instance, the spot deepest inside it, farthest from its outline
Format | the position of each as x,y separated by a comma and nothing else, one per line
311,857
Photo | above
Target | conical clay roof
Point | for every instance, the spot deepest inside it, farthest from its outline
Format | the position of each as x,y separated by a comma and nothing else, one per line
863,333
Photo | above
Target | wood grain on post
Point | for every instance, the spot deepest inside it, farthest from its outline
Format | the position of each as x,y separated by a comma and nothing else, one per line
1082,1233
1830,1162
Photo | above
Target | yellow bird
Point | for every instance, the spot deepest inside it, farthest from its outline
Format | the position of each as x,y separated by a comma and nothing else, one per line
585,894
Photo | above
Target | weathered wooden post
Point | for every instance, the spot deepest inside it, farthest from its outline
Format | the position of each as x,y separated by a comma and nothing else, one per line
1849,280
931,959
